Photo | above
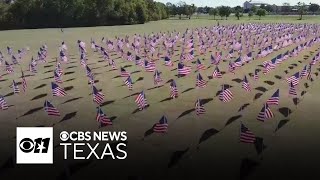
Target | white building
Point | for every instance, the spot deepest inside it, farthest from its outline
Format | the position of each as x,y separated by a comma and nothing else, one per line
249,4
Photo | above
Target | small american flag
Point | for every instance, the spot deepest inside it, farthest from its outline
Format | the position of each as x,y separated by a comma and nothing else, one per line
24,82
199,107
88,71
292,90
157,78
3,103
246,84
9,68
216,73
200,82
200,66
50,109
124,73
141,101
173,89
113,65
56,77
231,67
15,87
183,70
161,126
255,75
294,79
225,95
149,66
102,118
57,91
304,72
246,136
274,100
128,82
265,113
98,97
167,61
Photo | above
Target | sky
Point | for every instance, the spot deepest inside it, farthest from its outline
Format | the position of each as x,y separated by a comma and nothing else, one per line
232,3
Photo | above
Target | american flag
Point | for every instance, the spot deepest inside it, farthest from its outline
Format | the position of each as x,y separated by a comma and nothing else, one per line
24,82
274,100
102,118
98,97
167,61
50,109
246,84
141,100
225,95
246,136
213,60
149,66
56,77
237,62
128,82
200,82
3,103
231,67
14,60
173,89
32,68
88,71
124,73
255,75
304,72
200,66
9,68
309,72
57,91
183,70
199,107
113,65
59,69
292,90
294,79
265,113
129,56
157,78
91,80
216,73
189,56
161,126
15,87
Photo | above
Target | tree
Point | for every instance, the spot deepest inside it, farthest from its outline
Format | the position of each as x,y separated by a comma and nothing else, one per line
261,12
268,8
314,8
213,12
254,9
224,11
238,11
250,14
301,9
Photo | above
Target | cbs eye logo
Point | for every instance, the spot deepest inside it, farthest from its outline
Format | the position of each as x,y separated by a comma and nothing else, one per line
34,145
38,145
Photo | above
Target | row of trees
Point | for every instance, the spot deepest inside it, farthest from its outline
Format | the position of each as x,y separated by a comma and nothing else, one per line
225,11
68,13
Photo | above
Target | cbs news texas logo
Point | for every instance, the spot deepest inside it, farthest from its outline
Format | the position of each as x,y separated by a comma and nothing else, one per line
34,145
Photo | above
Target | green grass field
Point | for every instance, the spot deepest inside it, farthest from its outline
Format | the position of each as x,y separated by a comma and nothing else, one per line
296,136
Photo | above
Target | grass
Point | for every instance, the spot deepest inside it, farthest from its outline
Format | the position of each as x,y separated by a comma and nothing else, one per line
151,155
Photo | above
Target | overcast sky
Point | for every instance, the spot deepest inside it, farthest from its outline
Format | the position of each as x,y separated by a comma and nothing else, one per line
232,3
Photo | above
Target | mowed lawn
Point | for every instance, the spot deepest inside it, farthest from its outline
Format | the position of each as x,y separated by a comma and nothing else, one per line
293,143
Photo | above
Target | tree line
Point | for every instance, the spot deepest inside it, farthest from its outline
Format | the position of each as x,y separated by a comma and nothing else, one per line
74,13
19,14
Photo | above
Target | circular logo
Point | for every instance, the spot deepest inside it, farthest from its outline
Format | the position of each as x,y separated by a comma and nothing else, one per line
26,145
64,136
